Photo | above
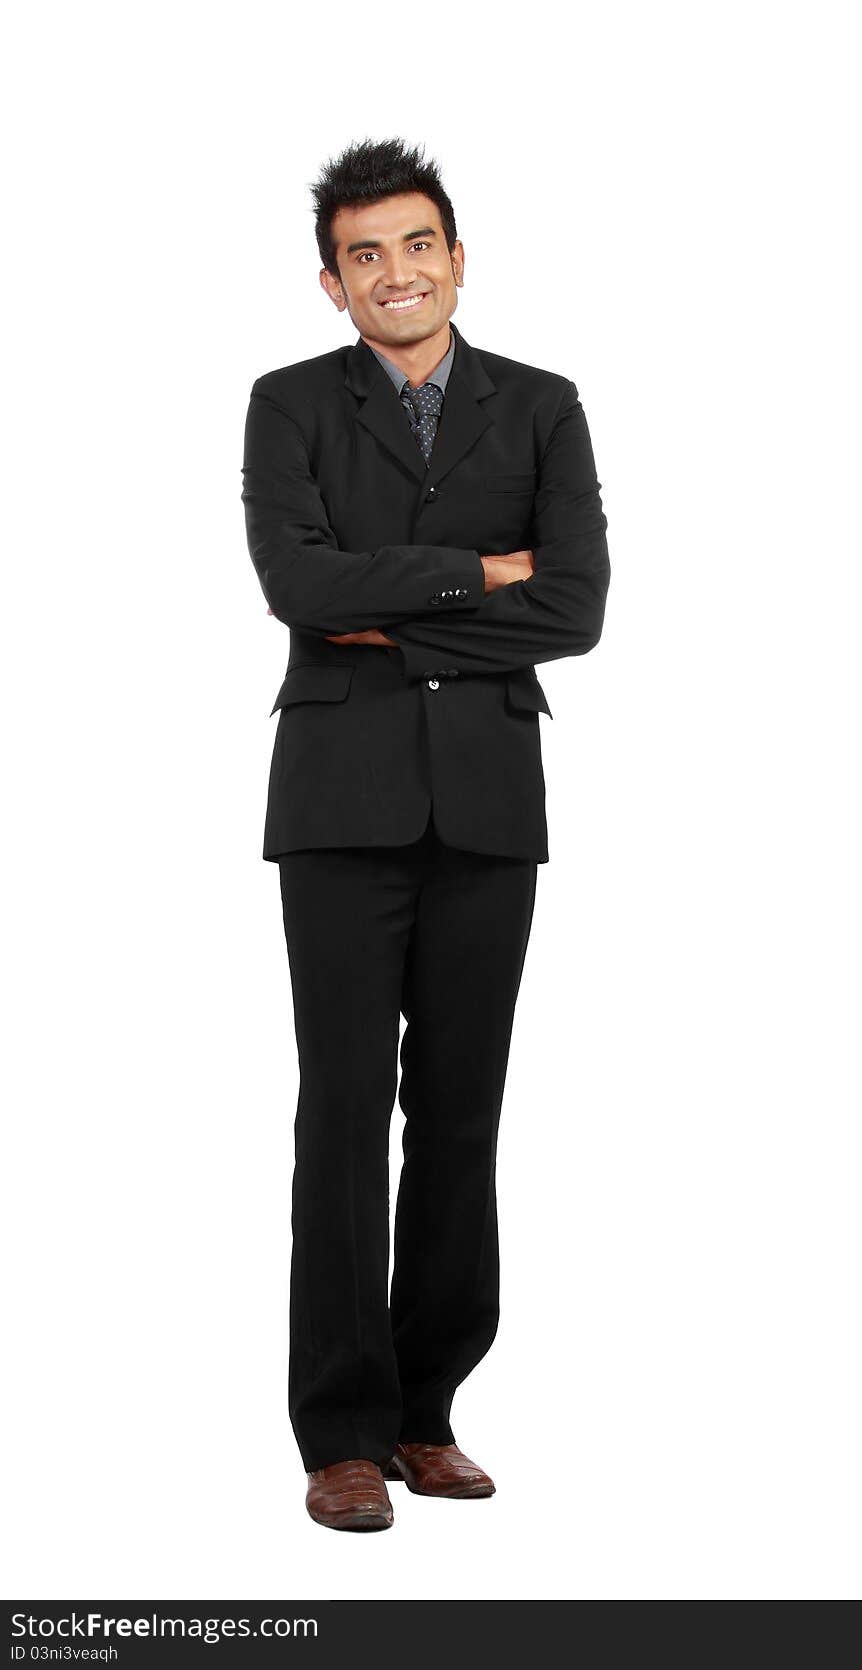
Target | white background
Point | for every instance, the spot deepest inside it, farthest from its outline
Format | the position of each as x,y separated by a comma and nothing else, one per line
659,203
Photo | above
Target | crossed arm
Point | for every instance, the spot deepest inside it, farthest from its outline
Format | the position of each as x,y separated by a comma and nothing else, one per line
500,611
499,571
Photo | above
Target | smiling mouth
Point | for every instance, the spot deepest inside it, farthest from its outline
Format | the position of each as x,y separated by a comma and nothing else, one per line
403,304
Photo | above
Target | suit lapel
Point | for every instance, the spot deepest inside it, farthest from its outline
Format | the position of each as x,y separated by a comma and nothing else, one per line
462,419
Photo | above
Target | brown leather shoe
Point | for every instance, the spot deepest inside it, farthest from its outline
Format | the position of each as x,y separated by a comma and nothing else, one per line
438,1470
349,1496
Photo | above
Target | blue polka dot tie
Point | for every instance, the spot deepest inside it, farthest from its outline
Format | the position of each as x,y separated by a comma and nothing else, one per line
423,406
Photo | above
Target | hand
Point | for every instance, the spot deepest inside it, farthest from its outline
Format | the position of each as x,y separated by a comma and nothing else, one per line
506,570
370,636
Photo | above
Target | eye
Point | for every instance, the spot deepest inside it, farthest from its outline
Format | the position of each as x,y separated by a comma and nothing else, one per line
421,243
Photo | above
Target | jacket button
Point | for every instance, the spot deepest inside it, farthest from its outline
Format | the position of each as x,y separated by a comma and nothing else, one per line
431,493
433,684
461,591
435,599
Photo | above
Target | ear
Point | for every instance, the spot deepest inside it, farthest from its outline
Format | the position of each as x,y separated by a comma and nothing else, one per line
331,285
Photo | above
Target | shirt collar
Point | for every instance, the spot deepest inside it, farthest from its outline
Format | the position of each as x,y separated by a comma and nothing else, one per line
440,374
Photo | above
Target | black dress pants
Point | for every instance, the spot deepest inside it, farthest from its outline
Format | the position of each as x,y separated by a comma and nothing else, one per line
439,935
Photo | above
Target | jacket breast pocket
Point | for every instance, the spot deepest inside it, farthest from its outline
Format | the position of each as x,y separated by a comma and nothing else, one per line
523,483
524,692
313,683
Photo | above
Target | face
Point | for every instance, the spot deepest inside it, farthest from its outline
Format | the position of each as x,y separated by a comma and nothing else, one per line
395,250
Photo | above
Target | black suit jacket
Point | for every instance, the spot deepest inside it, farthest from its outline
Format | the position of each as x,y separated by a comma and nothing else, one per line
348,529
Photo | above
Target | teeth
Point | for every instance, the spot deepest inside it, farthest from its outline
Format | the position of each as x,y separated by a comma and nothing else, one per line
411,301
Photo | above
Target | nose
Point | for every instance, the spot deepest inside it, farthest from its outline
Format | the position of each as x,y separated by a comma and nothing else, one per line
397,273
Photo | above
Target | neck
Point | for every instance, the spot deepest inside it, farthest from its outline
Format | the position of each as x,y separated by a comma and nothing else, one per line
416,359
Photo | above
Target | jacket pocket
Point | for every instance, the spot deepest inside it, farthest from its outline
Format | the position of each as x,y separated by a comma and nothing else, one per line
313,683
524,691
524,483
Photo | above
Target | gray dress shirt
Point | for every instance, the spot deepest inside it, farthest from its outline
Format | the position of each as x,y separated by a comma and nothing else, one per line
440,376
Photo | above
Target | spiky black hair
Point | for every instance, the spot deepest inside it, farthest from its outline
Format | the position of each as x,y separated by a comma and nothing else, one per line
366,172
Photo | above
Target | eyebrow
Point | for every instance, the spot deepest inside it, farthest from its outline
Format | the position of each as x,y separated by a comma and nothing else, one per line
374,243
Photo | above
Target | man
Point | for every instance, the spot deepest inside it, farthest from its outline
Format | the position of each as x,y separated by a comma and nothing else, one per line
426,519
